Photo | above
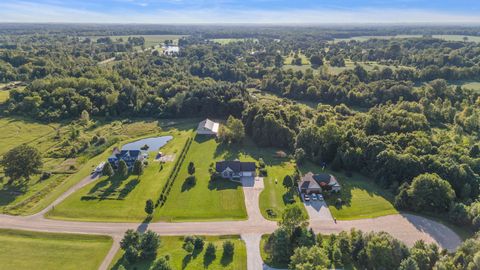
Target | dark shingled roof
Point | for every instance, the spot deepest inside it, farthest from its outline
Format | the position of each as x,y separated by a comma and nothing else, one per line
236,166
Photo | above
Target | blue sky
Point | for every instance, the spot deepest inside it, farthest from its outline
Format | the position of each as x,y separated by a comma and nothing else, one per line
242,11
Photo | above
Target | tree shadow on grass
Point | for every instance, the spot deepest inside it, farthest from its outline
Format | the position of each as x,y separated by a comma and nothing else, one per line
128,188
10,192
208,259
290,196
186,260
226,260
105,188
222,184
249,148
188,184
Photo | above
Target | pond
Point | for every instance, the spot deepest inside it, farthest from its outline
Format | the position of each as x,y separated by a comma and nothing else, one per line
153,144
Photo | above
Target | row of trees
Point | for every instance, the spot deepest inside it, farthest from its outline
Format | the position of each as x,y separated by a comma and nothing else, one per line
293,244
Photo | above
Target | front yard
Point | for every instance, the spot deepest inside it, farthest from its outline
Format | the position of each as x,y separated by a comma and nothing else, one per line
361,197
23,250
115,199
205,200
179,259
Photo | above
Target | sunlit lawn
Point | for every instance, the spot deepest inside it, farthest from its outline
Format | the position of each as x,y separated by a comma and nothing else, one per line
361,197
22,250
115,199
179,259
206,200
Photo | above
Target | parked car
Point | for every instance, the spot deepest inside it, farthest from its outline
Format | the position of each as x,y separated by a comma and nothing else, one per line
306,197
320,197
314,197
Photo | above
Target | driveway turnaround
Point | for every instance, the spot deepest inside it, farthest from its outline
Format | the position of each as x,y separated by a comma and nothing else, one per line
406,227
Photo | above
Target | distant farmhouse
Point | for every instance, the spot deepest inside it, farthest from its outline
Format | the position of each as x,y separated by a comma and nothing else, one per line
235,169
129,156
208,127
316,183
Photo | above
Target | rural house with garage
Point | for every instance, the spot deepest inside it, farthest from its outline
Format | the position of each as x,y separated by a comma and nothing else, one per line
317,183
235,169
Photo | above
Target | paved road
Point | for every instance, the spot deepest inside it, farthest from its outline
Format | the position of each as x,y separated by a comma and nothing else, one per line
405,227
85,181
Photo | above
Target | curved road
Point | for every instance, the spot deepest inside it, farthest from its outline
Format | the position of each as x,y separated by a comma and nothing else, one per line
406,227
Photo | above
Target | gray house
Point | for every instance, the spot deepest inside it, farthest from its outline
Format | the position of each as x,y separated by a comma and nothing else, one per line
316,183
235,169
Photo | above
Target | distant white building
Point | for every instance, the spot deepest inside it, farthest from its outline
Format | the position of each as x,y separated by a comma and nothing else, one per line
208,127
171,50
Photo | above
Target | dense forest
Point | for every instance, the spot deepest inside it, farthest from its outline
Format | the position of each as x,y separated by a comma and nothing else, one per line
392,110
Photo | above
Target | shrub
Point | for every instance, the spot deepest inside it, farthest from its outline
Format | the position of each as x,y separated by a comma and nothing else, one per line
162,264
46,175
149,207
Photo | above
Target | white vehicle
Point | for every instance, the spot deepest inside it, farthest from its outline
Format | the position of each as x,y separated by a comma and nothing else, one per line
306,197
99,168
320,197
314,197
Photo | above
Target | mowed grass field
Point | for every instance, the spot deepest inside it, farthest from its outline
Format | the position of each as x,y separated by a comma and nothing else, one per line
150,40
361,197
179,259
475,86
206,200
4,95
29,197
23,250
277,195
224,41
116,199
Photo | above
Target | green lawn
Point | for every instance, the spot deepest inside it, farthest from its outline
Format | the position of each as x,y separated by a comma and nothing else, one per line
117,199
172,246
276,196
475,86
288,59
28,197
207,200
362,198
33,250
4,95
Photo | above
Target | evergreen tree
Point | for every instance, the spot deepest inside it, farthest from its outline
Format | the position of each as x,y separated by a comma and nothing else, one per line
149,207
107,170
122,169
138,167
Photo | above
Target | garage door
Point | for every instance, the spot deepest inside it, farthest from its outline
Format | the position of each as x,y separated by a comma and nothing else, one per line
247,173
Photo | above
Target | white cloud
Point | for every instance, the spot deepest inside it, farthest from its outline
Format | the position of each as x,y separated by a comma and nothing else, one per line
33,12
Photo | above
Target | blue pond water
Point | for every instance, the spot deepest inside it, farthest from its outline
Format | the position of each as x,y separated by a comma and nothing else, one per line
154,143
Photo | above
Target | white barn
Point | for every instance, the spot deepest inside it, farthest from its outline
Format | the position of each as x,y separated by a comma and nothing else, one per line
208,127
